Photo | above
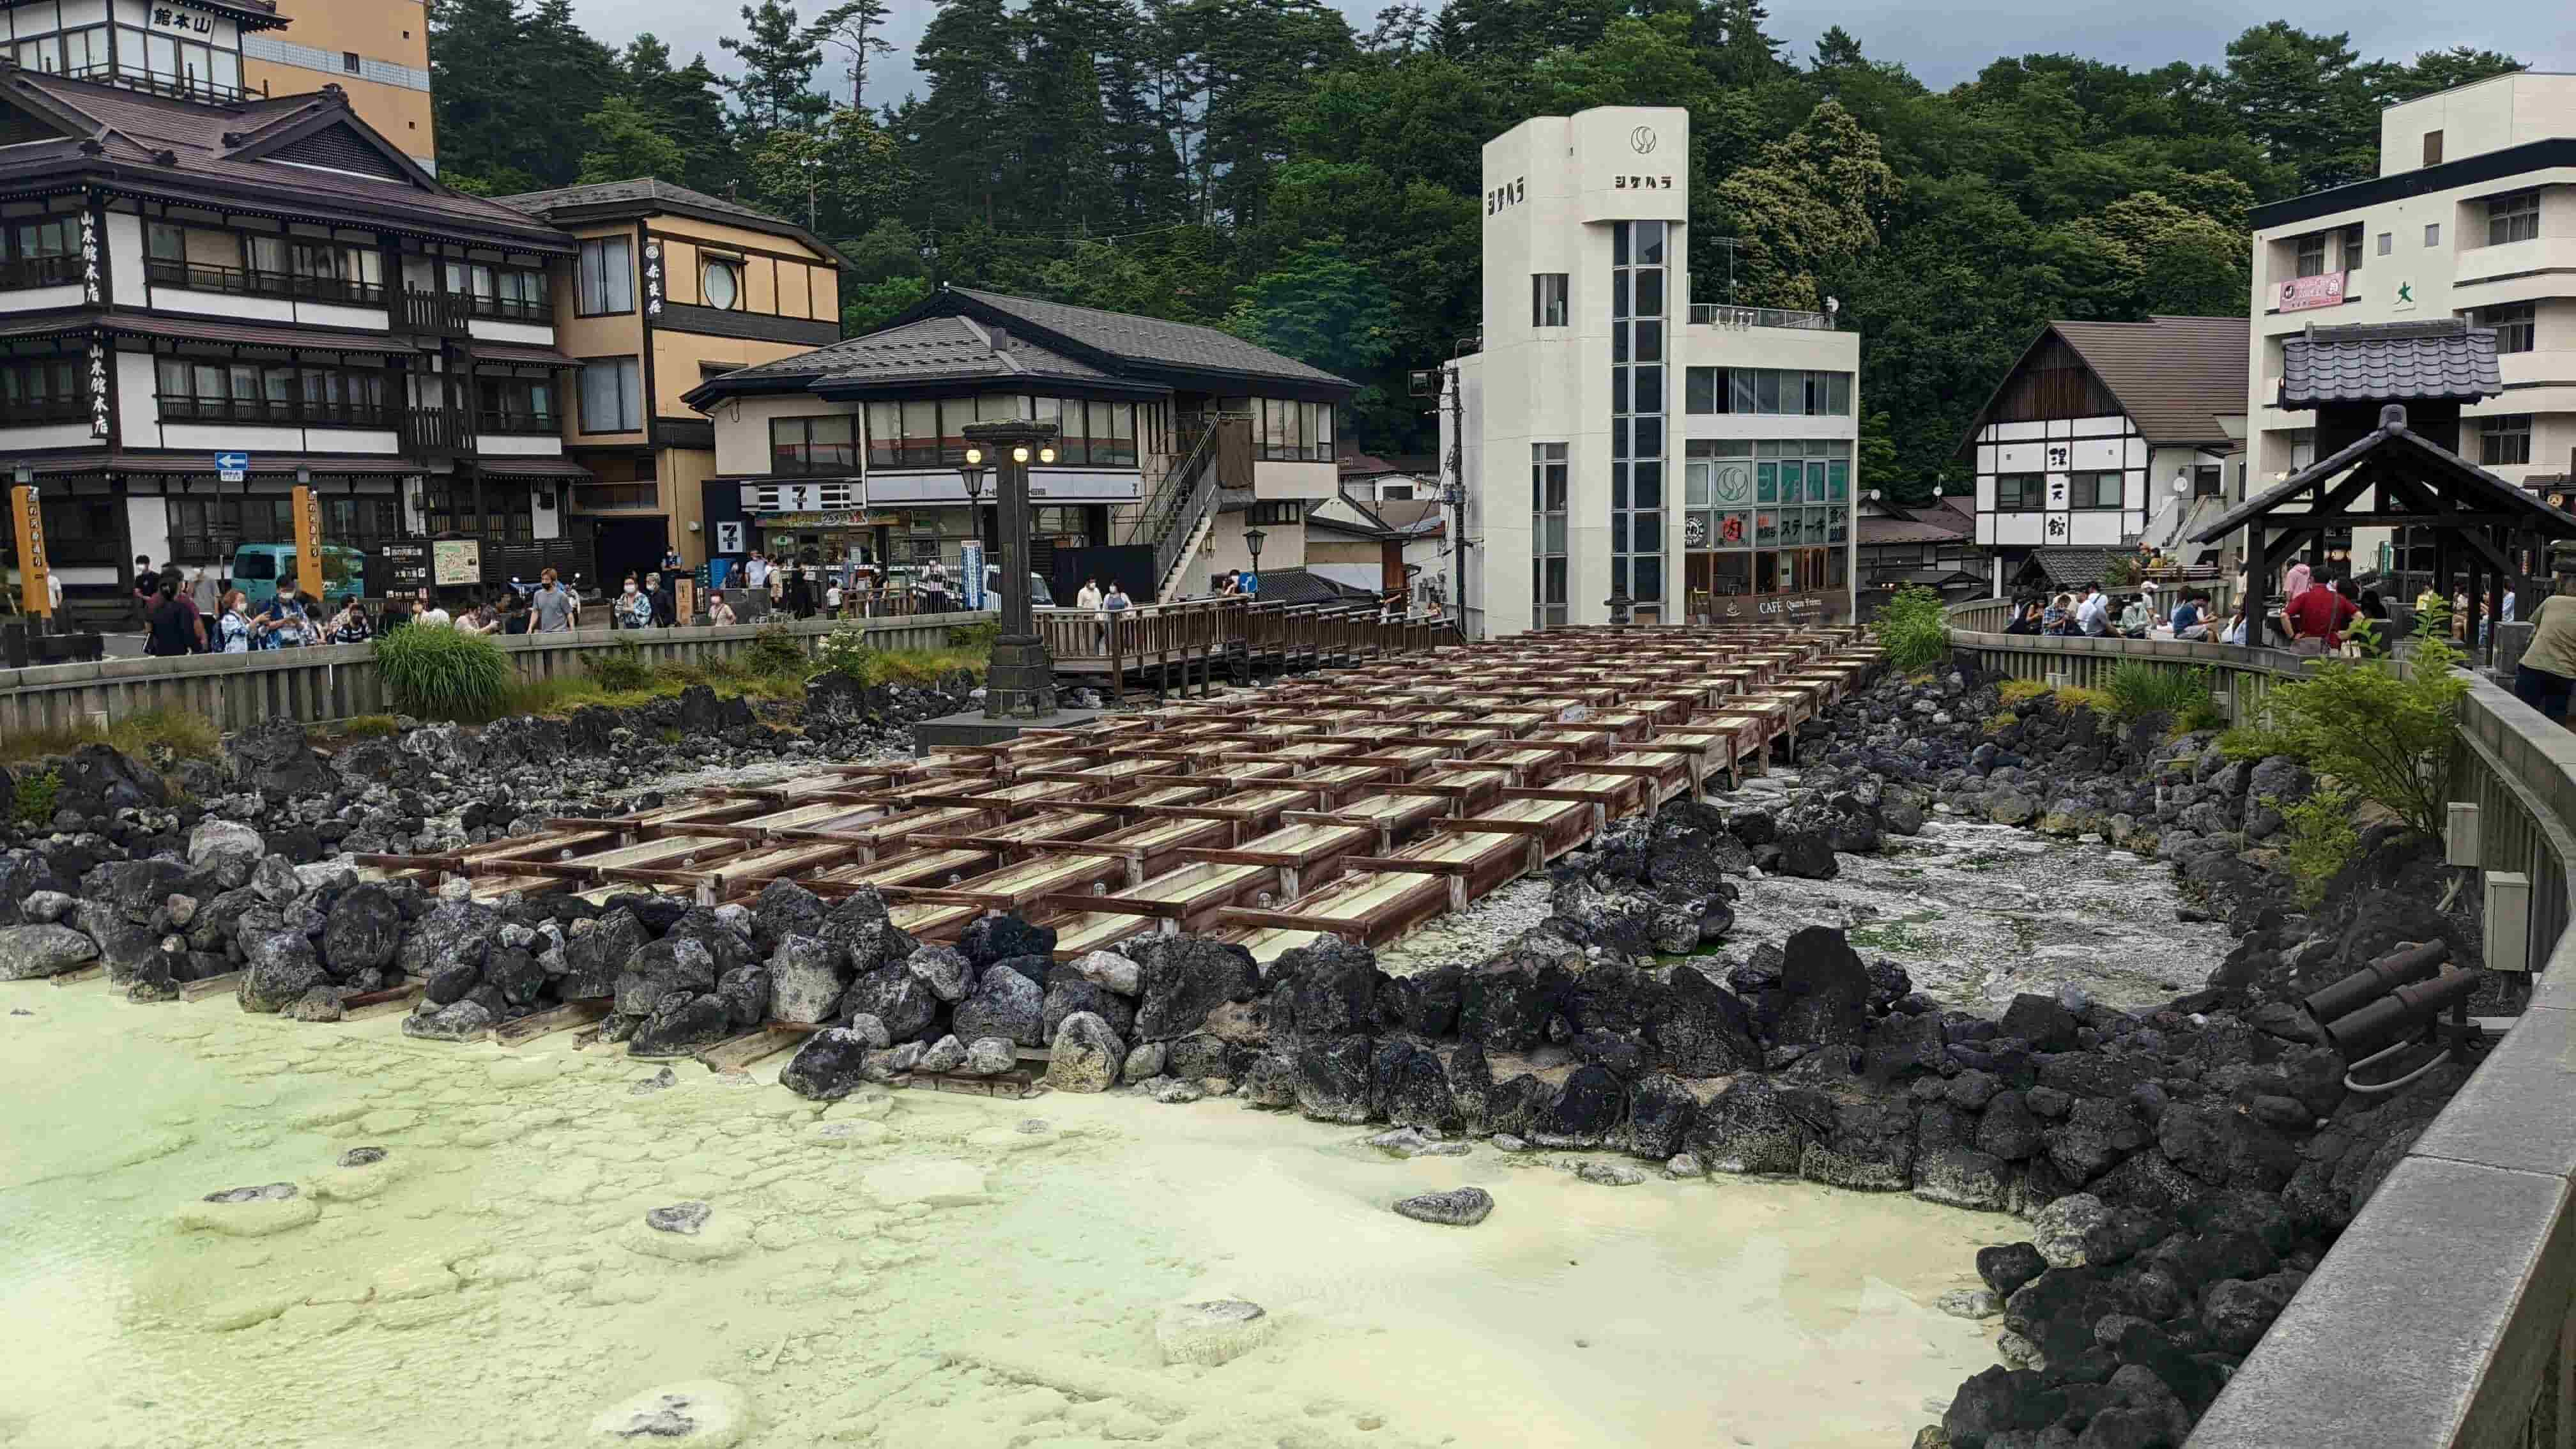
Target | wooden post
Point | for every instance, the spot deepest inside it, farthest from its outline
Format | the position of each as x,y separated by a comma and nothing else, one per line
2257,566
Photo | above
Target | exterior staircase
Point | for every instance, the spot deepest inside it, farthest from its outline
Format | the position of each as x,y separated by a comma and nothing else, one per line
1177,520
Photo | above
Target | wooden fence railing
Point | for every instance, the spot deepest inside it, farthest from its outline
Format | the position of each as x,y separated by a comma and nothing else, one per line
339,681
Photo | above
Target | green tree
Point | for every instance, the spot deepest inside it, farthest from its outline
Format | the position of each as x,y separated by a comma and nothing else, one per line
778,59
627,141
2306,102
686,104
837,177
854,28
1808,206
1320,307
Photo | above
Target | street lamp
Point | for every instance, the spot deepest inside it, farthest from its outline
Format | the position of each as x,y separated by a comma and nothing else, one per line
1020,682
1253,538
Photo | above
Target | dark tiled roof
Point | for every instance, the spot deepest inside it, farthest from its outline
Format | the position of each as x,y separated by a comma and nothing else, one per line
1150,339
531,468
1297,586
2409,454
2436,359
934,349
2067,567
522,354
1905,530
643,195
642,192
217,149
2174,376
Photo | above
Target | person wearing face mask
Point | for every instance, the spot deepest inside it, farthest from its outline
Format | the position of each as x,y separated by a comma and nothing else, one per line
634,607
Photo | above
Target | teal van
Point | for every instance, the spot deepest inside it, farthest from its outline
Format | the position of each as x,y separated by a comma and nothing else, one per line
257,567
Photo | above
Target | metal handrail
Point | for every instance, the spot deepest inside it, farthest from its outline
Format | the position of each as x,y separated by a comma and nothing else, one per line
1720,314
1186,495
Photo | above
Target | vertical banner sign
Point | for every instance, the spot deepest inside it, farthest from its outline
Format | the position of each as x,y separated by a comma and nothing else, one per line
970,563
99,392
308,543
27,512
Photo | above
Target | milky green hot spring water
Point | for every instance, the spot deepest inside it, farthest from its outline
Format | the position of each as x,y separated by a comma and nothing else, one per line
909,1270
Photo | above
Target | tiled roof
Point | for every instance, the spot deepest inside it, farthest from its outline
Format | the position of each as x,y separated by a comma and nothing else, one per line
2174,376
642,191
216,148
2438,358
1150,339
935,349
2067,567
641,195
2396,447
1297,586
1905,530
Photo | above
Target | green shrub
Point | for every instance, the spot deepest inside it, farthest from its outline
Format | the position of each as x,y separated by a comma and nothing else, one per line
2137,690
2322,839
36,794
370,726
1915,629
441,674
776,651
618,668
978,637
2382,731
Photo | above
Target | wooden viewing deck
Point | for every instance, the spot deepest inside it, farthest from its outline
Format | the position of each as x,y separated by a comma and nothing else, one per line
1359,803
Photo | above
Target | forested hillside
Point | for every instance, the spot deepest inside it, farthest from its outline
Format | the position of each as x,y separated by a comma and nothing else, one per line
1260,165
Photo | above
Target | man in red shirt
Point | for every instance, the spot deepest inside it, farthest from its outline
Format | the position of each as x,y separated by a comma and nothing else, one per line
2317,617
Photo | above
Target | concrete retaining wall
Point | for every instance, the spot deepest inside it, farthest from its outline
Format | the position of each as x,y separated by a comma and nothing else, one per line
337,681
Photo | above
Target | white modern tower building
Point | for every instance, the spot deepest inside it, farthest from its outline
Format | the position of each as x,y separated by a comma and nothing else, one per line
1616,440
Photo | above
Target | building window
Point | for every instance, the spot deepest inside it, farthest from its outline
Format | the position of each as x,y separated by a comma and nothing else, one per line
612,395
349,61
1547,535
45,390
1295,432
930,432
508,294
814,447
2432,148
2312,255
516,405
1548,299
39,252
209,529
2208,480
1764,517
1637,307
2095,491
2514,325
2020,492
2352,250
2387,242
205,390
607,279
2505,440
2513,218
1766,390
2432,234
723,284
1275,512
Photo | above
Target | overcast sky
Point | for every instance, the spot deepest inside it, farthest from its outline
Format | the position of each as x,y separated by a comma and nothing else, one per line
1942,46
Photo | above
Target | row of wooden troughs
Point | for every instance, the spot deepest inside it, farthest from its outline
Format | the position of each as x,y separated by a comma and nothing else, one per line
1360,803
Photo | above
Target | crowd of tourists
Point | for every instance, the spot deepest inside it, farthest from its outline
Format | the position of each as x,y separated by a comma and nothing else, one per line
2317,615
192,612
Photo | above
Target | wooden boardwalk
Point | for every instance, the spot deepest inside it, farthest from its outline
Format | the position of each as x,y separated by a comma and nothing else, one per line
1361,802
